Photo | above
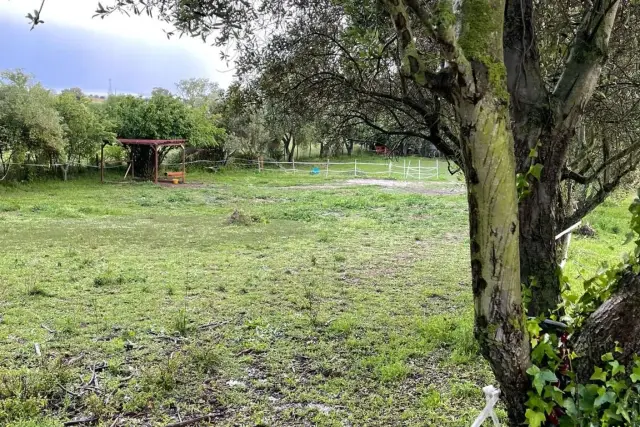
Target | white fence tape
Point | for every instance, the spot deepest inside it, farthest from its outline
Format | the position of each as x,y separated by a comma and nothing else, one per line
492,396
406,170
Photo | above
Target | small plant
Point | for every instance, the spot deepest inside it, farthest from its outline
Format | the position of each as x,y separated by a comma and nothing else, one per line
323,237
108,279
206,359
239,218
221,288
35,289
164,377
314,260
182,323
310,304
171,291
339,258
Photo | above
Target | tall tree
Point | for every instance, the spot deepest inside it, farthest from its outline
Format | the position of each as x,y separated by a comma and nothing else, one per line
30,126
84,130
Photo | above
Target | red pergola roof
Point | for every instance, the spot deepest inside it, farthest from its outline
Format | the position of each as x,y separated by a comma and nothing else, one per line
153,142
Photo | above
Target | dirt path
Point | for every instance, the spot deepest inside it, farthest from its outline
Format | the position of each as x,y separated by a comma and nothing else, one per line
430,188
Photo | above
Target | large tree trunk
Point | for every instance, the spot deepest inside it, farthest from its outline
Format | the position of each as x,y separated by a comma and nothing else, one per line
493,215
538,249
617,320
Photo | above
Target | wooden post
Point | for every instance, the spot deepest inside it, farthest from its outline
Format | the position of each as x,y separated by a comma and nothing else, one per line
419,173
327,173
155,175
390,168
355,167
294,165
437,169
132,174
102,164
404,168
184,164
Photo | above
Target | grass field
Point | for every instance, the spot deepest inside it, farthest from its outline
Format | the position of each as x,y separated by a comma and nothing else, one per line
327,303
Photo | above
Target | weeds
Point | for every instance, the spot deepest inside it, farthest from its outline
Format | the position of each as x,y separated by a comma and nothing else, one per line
108,278
182,323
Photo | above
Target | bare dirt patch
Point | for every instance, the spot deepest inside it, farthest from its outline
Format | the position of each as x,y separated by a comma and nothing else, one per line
429,188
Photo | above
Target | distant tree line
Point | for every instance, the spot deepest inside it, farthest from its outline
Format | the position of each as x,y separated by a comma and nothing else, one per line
41,127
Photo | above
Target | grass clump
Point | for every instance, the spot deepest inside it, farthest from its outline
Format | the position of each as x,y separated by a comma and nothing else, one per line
108,278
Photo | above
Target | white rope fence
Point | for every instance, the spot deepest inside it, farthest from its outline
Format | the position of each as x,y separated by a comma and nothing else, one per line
407,169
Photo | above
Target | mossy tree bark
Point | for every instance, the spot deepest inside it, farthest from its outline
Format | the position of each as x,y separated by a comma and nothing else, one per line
546,121
475,84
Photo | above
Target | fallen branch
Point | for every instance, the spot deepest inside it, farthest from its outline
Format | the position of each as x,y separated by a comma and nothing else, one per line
80,421
74,359
69,391
213,324
48,329
208,417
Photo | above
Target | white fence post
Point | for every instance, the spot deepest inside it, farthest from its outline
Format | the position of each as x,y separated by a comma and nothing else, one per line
390,167
355,167
437,169
419,173
294,165
327,174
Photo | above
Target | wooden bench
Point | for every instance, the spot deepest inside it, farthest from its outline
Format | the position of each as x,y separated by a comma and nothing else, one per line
177,175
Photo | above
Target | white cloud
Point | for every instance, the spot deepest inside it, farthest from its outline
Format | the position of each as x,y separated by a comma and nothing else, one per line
139,29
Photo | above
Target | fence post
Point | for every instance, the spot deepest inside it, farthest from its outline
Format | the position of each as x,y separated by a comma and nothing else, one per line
437,169
404,168
327,173
419,168
390,166
355,167
294,165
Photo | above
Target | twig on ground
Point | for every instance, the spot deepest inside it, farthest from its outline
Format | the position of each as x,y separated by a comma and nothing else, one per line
69,391
74,359
192,421
80,421
37,347
213,324
48,329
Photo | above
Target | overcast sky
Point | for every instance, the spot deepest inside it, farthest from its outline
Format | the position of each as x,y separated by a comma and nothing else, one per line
72,49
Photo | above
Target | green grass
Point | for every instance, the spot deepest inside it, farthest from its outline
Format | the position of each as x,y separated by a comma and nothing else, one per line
333,305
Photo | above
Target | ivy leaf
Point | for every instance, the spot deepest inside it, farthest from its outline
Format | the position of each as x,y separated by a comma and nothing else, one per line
533,370
548,376
533,153
535,418
608,397
635,376
534,329
536,170
617,385
570,407
599,374
616,368
623,411
607,357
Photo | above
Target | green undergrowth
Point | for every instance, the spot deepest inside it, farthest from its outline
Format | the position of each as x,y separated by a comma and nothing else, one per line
346,304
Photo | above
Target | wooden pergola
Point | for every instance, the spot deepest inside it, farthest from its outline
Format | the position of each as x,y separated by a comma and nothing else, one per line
155,144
